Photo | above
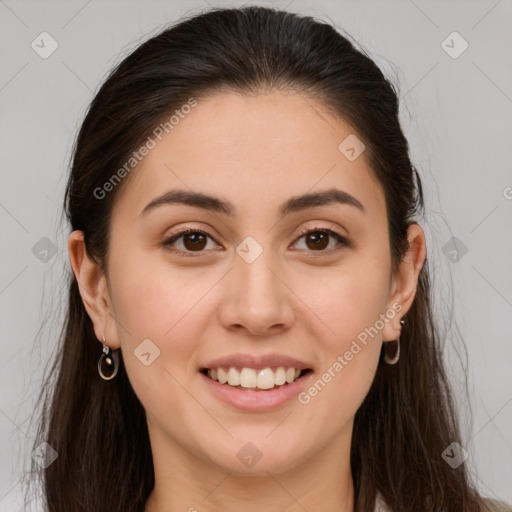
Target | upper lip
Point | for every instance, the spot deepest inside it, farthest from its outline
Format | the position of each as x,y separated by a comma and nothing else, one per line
257,362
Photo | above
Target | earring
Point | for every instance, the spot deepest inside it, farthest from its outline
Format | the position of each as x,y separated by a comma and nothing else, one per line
111,359
394,358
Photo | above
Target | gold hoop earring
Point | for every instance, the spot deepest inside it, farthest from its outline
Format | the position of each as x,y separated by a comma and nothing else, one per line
110,359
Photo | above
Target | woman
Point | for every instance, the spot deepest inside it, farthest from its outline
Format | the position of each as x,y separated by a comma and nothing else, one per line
246,249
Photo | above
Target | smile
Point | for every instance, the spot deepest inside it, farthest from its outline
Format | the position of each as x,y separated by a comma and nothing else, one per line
249,379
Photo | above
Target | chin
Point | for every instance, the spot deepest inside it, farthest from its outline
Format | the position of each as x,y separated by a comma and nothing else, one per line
251,459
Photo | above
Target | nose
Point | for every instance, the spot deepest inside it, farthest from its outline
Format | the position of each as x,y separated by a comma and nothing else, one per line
257,298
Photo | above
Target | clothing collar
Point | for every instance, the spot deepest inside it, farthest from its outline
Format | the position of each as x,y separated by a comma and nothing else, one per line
380,504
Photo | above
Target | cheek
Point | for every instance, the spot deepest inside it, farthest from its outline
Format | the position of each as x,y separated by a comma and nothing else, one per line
348,302
153,298
152,303
159,315
352,301
349,306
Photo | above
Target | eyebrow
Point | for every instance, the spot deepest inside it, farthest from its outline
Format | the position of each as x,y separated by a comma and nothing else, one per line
292,205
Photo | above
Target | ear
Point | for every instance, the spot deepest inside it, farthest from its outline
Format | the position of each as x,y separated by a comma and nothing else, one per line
405,281
92,284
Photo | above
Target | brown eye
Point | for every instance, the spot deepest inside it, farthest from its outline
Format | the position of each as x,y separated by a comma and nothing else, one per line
318,239
193,241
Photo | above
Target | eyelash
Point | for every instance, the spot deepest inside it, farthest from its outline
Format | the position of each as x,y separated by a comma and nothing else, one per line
341,239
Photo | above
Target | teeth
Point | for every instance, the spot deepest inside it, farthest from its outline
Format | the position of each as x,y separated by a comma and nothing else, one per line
280,376
265,378
233,377
223,378
250,378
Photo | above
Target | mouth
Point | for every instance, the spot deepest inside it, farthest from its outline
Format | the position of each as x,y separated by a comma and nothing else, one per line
250,379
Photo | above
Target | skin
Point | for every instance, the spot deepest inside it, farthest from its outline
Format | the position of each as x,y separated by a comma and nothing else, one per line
293,299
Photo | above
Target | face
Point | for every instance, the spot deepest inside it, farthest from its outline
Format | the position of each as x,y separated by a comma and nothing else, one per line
247,281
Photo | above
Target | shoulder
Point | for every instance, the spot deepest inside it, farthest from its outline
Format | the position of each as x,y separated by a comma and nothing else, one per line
490,504
496,505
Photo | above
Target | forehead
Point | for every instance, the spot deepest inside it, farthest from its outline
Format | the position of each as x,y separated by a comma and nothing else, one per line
257,150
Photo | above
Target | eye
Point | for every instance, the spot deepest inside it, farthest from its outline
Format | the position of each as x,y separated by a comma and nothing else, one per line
320,240
194,240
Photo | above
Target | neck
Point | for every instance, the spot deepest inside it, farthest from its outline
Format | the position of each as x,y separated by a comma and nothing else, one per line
183,482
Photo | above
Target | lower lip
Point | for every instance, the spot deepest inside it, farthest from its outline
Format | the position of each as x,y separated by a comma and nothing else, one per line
256,401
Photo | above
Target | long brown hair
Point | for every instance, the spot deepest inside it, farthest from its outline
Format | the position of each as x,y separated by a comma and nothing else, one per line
98,428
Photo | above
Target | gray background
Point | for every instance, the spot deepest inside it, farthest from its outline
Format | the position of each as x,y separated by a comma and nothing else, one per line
456,113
